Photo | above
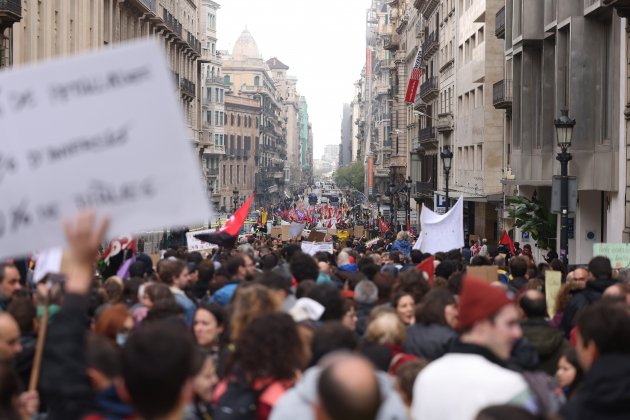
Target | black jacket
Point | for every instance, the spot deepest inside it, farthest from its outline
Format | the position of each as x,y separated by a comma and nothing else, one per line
363,315
24,359
548,342
605,392
429,341
581,299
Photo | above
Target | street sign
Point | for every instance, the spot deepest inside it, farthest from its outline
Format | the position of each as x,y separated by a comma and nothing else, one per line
555,194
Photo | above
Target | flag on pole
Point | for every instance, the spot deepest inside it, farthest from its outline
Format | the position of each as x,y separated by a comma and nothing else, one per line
505,240
227,235
414,80
428,267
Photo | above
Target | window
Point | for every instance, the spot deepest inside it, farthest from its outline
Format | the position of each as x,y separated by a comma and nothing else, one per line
209,117
244,174
231,173
238,174
480,36
480,156
232,120
238,120
607,83
226,79
209,94
224,179
257,81
480,96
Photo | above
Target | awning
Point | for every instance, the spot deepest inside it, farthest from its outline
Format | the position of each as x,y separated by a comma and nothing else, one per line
454,195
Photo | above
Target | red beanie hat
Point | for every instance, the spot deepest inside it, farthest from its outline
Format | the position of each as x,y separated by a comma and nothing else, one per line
478,300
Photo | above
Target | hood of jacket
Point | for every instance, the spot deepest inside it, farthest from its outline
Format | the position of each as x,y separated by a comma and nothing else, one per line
352,268
545,339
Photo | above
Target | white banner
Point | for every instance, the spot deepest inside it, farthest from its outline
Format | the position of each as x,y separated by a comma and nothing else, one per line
312,248
195,244
442,233
102,130
296,229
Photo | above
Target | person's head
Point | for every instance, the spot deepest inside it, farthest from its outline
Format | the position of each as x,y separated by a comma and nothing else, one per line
269,262
343,258
348,390
23,310
386,328
277,282
600,268
138,269
404,304
569,373
384,283
305,288
507,411
533,304
619,292
415,256
10,344
580,276
158,365
103,361
414,283
114,289
406,376
331,336
270,346
602,328
206,379
303,267
250,301
250,267
193,272
527,247
173,272
208,324
114,323
488,318
446,268
9,280
330,297
438,307
366,292
236,269
518,267
156,292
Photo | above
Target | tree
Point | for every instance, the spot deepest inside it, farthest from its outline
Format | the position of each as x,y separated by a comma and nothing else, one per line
532,216
351,176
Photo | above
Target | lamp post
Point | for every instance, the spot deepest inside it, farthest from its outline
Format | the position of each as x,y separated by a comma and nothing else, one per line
447,159
210,190
564,136
408,181
378,209
235,197
392,203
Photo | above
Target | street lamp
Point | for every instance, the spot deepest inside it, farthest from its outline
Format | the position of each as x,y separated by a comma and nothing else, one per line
564,135
392,203
408,181
235,197
447,159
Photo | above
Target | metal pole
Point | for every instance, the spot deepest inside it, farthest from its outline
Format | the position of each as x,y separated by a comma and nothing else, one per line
564,159
448,200
408,209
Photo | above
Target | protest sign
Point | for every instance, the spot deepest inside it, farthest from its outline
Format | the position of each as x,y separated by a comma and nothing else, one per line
618,254
553,282
195,244
296,229
488,273
312,248
276,232
315,236
286,230
358,231
72,132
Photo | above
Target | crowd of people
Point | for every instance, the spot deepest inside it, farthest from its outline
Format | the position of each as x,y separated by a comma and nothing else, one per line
265,331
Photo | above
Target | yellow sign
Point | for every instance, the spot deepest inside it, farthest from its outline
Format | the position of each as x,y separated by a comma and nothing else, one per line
553,282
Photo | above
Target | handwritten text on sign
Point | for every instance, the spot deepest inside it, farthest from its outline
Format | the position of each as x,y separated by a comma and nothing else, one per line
101,131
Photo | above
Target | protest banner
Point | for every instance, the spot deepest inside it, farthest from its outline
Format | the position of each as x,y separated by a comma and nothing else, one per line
72,132
618,254
312,248
316,236
488,273
276,232
286,230
195,244
296,229
553,282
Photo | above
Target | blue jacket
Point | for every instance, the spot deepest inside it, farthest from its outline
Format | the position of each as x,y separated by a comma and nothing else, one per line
224,294
402,246
187,305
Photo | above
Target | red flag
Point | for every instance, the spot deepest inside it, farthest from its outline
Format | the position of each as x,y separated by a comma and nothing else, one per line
384,227
505,240
228,234
428,267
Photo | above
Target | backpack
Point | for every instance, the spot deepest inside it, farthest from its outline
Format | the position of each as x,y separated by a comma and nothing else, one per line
239,401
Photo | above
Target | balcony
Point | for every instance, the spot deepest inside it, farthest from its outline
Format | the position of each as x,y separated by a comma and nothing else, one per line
382,89
429,90
390,42
500,24
445,123
212,172
147,5
172,23
429,8
427,135
188,88
502,94
214,80
419,104
622,6
214,149
425,188
430,45
419,4
10,11
194,43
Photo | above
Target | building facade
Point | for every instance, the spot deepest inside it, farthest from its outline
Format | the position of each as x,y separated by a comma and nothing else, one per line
10,14
332,153
345,150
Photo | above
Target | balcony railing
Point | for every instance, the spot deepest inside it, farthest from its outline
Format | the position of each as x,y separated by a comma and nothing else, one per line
502,94
215,80
188,88
429,90
151,5
11,10
427,134
194,43
445,122
172,23
419,4
390,42
425,188
430,45
499,30
429,8
213,172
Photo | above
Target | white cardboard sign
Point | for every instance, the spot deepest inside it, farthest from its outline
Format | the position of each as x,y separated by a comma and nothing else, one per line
195,244
102,130
312,248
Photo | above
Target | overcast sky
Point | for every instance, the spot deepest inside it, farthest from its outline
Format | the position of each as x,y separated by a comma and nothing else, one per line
322,41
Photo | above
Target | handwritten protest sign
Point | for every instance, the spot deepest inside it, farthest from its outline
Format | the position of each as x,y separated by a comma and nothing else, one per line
553,282
618,254
94,131
195,244
488,273
312,248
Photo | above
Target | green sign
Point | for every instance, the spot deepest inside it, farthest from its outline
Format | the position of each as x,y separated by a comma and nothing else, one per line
619,254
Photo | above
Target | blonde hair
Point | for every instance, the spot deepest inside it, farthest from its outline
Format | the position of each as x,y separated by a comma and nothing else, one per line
386,328
250,302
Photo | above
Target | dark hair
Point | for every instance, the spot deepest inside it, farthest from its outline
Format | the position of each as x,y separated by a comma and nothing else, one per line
305,288
406,375
233,264
23,310
9,390
216,310
431,308
290,250
413,283
157,360
101,354
137,269
274,281
446,268
3,267
385,283
303,267
608,325
571,355
130,291
400,295
341,403
518,267
454,282
158,292
370,270
195,257
415,256
329,337
270,346
479,261
169,269
330,297
113,290
396,257
269,262
379,354
163,310
600,268
501,412
533,308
